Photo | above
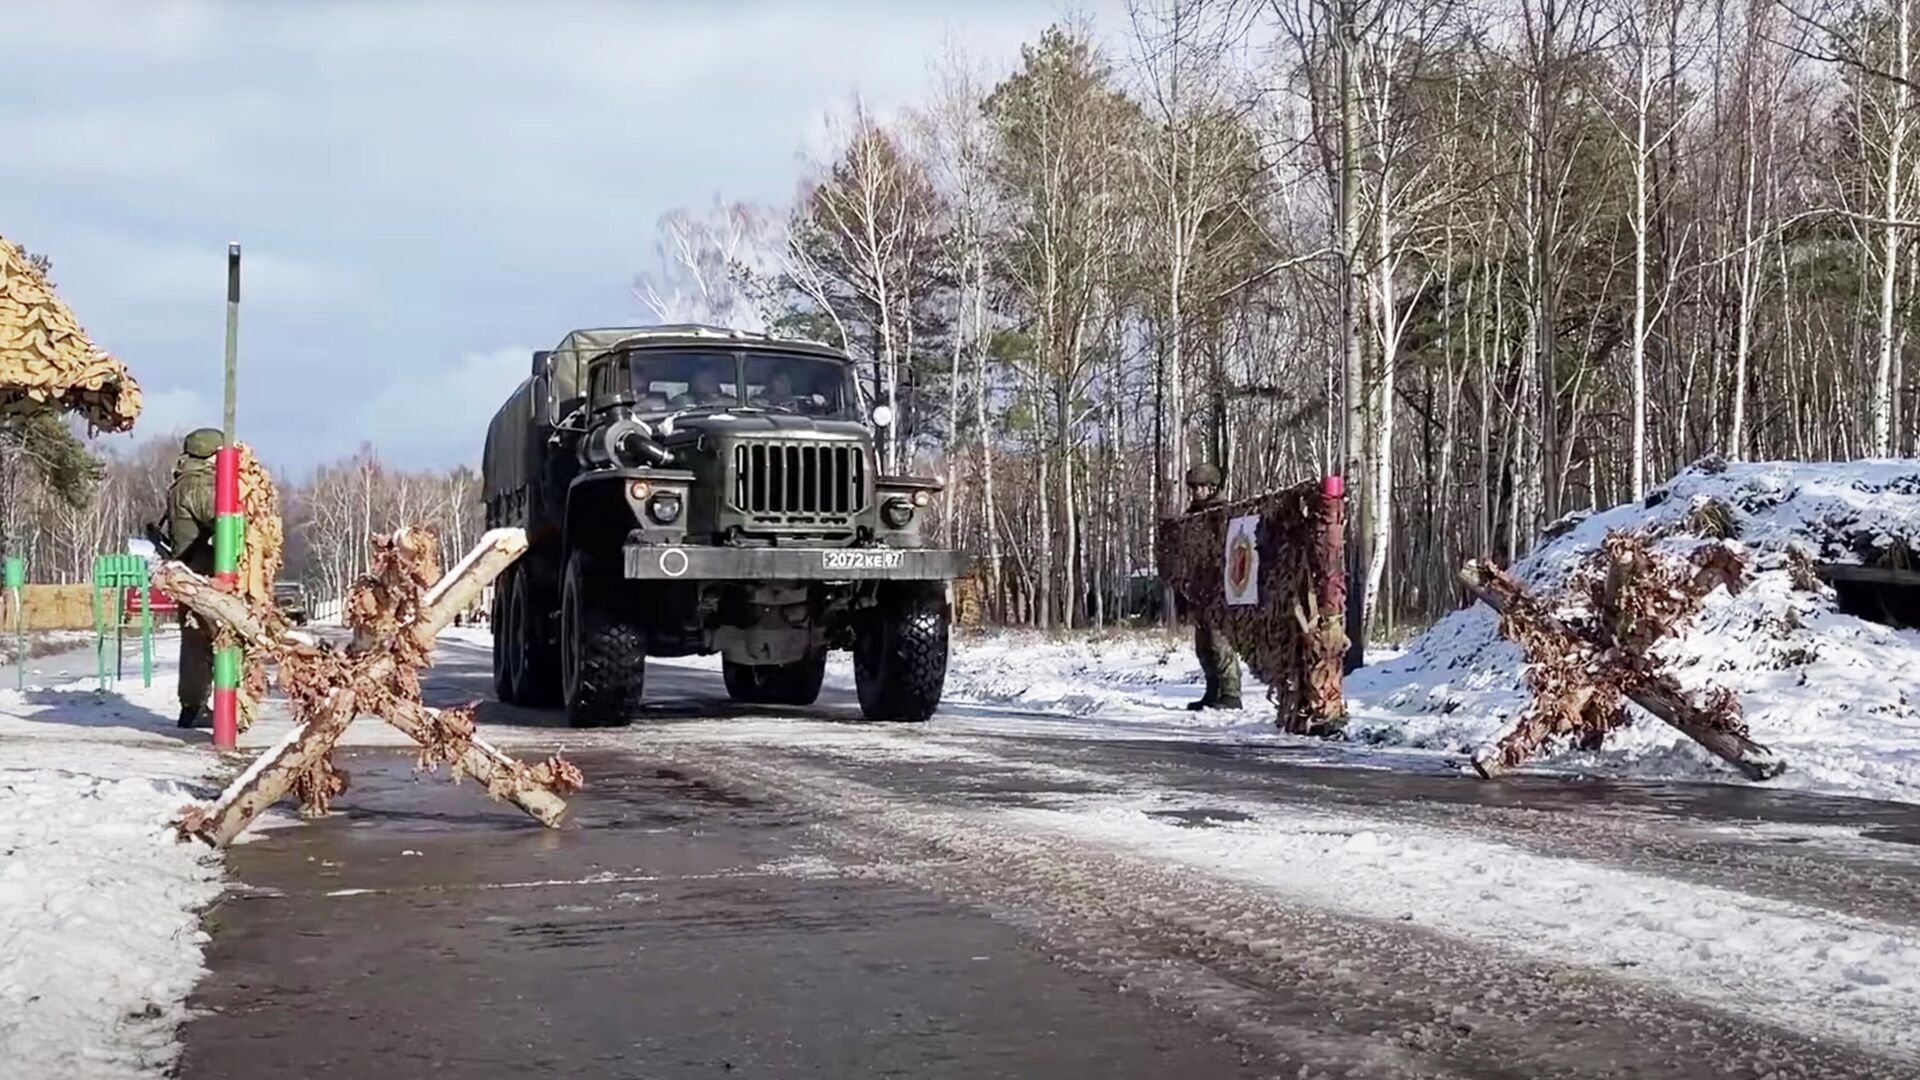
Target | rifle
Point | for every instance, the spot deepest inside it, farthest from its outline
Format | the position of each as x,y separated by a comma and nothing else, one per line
157,536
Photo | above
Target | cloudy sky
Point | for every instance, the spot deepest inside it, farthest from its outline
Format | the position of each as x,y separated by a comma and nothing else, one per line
424,192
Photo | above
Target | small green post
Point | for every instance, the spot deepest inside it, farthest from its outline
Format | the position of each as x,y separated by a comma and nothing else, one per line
99,623
146,626
14,576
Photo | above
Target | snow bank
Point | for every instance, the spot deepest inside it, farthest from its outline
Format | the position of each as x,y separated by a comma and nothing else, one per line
1837,696
1133,676
99,933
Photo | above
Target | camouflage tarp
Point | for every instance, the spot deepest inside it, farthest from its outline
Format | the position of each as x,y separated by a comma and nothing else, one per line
1292,639
46,358
262,554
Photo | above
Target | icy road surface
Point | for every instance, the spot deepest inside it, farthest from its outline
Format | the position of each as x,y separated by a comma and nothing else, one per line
803,894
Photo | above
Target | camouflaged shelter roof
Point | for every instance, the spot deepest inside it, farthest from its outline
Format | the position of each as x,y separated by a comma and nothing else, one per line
45,357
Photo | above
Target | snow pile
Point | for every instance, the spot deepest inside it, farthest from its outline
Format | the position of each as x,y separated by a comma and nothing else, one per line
1837,696
1131,684
99,934
39,643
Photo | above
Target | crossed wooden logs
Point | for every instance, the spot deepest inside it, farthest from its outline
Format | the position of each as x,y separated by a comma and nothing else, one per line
396,612
1582,675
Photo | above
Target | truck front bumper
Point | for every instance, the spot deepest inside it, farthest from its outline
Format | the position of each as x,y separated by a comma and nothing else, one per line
656,562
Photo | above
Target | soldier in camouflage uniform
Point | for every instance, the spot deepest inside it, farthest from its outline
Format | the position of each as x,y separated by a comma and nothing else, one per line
190,520
1217,659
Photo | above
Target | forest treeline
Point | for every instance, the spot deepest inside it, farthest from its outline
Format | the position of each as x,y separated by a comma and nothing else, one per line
1518,259
1521,259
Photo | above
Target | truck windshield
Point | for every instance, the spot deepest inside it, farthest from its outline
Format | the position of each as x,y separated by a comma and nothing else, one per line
665,382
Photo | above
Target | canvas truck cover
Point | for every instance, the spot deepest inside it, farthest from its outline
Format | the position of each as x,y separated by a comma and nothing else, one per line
514,444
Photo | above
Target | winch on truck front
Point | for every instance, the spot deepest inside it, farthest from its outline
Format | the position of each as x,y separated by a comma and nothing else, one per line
690,490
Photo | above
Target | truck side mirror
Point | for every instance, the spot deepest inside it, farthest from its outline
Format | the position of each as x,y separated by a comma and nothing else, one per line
882,416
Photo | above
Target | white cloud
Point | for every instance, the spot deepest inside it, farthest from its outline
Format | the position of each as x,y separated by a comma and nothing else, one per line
175,273
114,29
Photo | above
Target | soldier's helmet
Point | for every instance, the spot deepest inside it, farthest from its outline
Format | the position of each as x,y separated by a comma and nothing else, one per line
1204,475
203,443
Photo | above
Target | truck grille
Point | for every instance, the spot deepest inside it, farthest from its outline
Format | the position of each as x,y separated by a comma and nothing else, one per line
799,482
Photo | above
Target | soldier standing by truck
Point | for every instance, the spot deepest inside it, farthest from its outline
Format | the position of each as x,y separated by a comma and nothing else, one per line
189,531
1218,661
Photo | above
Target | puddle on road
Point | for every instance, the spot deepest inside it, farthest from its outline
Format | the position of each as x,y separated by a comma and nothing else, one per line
1205,817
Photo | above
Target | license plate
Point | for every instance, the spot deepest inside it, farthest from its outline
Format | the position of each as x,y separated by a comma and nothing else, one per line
860,560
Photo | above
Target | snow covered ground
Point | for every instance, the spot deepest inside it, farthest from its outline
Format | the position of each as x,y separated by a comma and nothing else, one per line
1799,966
1836,695
100,939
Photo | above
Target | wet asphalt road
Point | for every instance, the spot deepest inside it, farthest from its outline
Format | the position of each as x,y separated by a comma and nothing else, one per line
419,935
759,907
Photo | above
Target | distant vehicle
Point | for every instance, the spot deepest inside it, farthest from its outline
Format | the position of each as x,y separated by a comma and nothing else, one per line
291,598
691,490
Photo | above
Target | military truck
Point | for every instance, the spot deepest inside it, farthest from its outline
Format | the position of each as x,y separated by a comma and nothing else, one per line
291,598
688,490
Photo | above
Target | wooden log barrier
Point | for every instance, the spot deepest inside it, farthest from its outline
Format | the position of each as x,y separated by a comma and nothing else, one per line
395,623
1709,724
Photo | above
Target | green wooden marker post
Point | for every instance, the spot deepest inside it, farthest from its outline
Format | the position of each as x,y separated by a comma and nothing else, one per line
15,578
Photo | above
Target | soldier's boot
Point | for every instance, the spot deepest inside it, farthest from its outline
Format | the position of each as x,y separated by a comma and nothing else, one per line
1227,692
1203,650
196,672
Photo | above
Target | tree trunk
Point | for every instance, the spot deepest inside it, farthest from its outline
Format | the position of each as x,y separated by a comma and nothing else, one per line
1352,440
1881,401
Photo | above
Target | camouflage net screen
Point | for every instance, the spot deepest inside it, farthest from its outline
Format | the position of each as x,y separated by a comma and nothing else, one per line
262,555
1292,637
46,358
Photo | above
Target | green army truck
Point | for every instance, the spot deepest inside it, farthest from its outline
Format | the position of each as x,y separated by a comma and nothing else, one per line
691,490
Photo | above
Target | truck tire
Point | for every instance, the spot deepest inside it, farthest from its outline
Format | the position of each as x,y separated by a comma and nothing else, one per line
797,683
603,649
900,654
504,643
536,672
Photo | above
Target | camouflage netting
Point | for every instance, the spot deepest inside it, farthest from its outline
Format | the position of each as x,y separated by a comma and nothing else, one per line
1293,639
262,555
45,357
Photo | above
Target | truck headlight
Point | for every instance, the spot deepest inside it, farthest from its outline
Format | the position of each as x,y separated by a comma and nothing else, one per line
665,507
897,513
